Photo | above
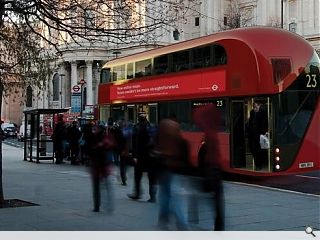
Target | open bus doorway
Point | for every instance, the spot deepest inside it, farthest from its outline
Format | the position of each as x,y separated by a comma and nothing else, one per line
242,147
151,112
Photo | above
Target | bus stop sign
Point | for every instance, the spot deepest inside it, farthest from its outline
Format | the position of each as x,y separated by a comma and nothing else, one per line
76,88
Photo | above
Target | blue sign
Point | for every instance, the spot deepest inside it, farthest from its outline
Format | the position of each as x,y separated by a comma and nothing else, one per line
76,102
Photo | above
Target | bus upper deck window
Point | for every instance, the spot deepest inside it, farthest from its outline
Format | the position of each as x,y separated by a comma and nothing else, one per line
219,55
161,65
105,75
129,70
143,68
200,57
180,61
119,72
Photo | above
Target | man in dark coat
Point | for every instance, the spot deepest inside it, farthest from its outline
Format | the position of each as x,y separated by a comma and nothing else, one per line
74,135
259,127
141,147
59,136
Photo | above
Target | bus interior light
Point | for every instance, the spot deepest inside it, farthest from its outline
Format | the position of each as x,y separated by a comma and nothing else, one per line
277,150
277,166
277,159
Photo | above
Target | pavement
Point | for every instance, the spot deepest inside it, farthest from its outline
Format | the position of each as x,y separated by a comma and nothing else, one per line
64,202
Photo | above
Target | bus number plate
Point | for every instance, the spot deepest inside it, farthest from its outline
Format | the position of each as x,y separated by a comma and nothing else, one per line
306,165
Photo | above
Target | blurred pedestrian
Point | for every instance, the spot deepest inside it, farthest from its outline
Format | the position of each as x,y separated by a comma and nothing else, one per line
100,165
172,153
115,130
73,136
123,137
85,142
207,119
141,149
59,138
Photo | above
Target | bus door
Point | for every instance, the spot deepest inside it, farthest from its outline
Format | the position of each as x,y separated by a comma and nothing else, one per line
238,157
243,149
118,112
151,111
131,114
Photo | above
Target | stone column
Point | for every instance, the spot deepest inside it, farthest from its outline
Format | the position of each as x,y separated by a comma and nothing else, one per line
97,85
50,91
45,95
213,11
62,77
300,21
68,88
264,13
89,83
74,71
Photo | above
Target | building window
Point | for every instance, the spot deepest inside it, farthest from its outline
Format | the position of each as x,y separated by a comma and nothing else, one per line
292,27
225,21
29,97
55,83
89,19
176,35
197,21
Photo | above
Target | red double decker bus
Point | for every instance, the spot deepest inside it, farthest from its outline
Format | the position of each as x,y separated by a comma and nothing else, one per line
230,69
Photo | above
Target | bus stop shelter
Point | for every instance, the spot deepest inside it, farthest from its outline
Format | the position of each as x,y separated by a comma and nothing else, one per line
37,145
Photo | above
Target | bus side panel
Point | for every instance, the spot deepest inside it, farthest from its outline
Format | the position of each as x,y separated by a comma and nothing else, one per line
224,147
104,93
309,152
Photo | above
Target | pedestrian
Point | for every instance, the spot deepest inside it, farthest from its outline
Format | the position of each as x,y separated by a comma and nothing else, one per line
259,127
85,142
73,135
59,138
207,119
100,165
115,130
172,154
141,147
123,137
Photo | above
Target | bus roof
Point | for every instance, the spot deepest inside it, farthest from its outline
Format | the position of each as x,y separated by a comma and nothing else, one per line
254,37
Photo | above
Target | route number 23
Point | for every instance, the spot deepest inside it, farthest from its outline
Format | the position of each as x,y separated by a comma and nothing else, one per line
312,80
